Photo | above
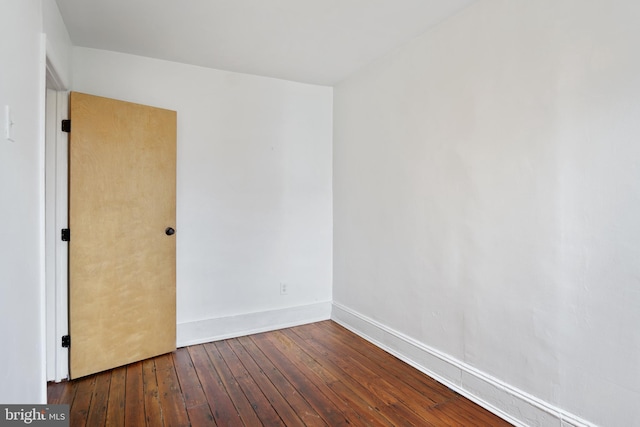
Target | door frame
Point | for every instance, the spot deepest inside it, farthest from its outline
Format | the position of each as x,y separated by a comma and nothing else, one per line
56,218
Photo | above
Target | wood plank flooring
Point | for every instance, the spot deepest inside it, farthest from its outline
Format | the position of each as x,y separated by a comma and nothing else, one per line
312,375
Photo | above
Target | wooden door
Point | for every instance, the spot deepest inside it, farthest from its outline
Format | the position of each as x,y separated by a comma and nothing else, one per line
122,190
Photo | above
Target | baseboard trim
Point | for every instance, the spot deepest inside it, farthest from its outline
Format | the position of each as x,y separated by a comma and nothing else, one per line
208,330
509,403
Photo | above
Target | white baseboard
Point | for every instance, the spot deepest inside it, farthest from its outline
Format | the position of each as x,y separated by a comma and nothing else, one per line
198,332
513,405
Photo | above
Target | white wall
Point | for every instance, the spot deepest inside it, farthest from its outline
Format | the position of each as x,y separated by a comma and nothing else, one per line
487,205
22,214
58,43
254,202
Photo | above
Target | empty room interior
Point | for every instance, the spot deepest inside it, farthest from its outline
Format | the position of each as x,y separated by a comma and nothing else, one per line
455,183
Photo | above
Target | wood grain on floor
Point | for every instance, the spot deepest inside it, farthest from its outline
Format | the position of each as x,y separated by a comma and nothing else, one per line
312,375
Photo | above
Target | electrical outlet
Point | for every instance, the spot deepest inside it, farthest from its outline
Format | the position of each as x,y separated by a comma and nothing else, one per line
284,289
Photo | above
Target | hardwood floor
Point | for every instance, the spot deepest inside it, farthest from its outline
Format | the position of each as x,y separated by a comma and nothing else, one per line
312,375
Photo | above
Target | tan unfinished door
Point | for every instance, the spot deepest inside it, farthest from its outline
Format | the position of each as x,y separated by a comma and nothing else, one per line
122,190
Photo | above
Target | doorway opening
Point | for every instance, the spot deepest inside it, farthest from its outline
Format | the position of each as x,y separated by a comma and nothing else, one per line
56,219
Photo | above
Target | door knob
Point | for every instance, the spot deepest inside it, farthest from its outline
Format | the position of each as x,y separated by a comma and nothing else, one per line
169,231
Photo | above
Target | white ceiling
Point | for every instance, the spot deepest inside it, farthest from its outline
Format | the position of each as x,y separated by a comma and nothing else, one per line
311,41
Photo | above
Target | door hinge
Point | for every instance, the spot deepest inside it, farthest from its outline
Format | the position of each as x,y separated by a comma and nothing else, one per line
66,341
66,125
65,234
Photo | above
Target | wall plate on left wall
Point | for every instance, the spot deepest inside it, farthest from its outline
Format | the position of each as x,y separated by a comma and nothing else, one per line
8,124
